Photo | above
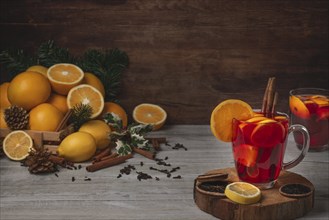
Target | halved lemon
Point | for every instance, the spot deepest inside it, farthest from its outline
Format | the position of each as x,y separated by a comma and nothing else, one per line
150,114
64,76
17,145
86,95
243,193
223,114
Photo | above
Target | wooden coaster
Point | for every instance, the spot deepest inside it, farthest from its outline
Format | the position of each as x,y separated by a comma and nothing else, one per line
273,204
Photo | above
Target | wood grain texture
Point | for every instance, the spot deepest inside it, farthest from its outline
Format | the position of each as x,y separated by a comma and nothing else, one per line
26,196
185,55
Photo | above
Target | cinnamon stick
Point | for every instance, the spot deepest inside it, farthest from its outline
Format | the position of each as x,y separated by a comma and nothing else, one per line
270,96
103,153
107,163
155,144
62,124
265,96
275,101
144,153
212,177
57,160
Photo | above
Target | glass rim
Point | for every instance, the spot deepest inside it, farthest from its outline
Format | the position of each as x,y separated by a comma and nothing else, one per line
278,113
304,90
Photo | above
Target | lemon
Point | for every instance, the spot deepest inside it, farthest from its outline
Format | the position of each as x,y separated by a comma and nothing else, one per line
99,130
77,147
243,193
17,145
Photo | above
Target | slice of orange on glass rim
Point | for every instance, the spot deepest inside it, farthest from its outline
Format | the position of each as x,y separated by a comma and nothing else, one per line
222,116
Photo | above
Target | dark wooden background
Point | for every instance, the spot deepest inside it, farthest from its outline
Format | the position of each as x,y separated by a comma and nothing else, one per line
186,56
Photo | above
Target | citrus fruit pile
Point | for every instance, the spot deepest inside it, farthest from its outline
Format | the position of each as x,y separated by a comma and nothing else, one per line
47,94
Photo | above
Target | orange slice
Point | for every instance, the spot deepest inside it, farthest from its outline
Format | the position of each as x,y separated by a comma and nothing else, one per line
243,193
320,100
298,108
222,116
87,95
268,133
150,114
246,154
64,76
17,145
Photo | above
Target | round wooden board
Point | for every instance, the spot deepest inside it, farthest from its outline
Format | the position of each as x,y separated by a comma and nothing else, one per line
272,205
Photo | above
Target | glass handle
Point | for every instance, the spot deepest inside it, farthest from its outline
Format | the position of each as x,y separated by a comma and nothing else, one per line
306,145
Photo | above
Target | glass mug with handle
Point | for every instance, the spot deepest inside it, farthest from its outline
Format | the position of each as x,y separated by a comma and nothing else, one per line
310,107
259,146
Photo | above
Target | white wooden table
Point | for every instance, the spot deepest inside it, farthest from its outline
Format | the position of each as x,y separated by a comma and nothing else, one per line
26,196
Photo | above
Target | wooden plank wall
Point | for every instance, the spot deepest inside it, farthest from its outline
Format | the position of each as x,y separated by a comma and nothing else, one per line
185,55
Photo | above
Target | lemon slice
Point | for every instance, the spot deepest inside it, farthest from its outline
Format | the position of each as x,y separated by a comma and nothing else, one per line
17,145
243,193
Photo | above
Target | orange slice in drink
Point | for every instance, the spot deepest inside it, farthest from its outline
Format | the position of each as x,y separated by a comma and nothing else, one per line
64,76
298,108
150,114
17,145
268,133
86,95
223,114
320,100
246,154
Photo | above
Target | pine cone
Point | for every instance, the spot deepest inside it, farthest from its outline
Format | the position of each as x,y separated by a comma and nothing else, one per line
17,118
38,162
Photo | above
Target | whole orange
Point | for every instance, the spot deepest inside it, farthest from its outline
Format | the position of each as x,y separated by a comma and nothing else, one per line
4,102
3,123
59,101
116,109
28,89
45,117
94,81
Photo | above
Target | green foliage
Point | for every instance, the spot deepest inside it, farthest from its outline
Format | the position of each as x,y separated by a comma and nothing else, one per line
126,139
81,113
107,65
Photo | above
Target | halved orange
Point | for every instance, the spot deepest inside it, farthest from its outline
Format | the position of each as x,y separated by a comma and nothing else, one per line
87,95
150,114
222,116
64,76
298,107
17,145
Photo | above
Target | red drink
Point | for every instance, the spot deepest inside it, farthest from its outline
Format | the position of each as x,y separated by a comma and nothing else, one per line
310,107
258,149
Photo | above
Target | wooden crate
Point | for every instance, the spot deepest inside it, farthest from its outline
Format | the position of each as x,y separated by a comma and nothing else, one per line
47,139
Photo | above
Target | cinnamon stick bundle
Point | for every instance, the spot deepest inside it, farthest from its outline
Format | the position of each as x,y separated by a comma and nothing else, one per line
103,153
107,163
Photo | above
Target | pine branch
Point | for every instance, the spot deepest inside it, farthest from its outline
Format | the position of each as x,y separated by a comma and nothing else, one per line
50,54
108,66
15,61
81,114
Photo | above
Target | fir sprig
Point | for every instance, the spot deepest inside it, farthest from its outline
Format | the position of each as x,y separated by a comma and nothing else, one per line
49,54
81,114
15,61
